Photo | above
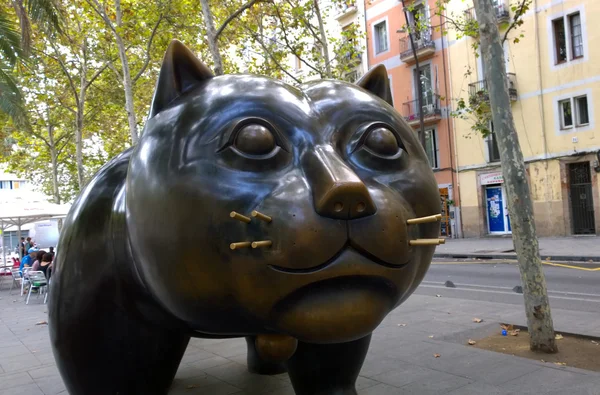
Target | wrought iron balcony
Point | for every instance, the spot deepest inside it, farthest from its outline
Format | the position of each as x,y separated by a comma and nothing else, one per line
346,8
502,14
424,46
431,108
470,14
478,91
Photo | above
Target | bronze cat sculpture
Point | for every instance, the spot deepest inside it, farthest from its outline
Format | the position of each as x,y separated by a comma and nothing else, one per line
249,208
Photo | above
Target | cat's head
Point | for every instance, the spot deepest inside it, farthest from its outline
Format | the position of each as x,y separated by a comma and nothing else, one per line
332,163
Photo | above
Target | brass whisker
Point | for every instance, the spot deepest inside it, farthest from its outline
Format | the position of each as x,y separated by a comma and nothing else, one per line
239,217
426,242
261,216
240,244
260,244
424,220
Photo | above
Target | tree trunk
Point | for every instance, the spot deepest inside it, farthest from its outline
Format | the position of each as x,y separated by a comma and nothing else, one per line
211,36
323,40
537,307
54,158
80,119
128,87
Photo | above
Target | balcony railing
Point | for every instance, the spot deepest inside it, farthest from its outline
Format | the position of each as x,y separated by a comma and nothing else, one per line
478,91
431,109
345,8
470,14
502,14
424,46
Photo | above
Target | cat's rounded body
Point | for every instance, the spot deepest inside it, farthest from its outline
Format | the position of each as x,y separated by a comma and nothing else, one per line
146,260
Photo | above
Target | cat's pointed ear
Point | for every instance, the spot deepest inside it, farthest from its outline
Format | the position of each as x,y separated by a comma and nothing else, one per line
180,71
377,82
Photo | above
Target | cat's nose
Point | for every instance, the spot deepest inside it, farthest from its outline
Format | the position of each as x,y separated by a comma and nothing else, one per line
337,191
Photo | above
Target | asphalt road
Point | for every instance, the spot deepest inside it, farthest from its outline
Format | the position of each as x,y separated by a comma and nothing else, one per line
573,288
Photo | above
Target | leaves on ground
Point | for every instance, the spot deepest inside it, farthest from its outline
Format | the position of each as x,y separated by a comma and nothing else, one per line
595,342
401,324
438,295
506,327
437,355
558,336
191,386
515,332
560,363
431,337
477,320
471,342
42,323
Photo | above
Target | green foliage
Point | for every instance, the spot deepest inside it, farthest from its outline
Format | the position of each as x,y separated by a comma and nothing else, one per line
476,108
42,146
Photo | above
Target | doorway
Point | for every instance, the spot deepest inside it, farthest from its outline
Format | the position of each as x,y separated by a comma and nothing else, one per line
581,199
497,210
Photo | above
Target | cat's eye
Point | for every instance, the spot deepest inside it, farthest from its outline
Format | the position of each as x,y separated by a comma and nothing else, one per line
382,141
255,139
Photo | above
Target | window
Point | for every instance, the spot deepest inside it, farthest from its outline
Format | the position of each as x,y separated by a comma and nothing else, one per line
573,112
492,145
566,115
431,147
581,104
298,64
560,45
576,37
16,184
381,39
567,32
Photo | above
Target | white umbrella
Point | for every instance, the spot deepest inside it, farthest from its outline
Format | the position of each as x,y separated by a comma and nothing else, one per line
20,207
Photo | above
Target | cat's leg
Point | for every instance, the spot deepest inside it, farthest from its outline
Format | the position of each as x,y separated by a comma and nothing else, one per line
327,369
258,365
108,352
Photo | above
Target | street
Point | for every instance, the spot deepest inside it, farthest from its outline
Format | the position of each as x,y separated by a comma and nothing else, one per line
573,288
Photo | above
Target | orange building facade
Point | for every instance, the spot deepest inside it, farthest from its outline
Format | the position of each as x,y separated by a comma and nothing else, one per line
388,43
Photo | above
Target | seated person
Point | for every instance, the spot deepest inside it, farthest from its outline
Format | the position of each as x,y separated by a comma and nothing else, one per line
38,260
45,265
28,259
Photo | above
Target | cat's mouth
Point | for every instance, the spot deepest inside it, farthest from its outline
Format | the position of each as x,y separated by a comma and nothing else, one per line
350,245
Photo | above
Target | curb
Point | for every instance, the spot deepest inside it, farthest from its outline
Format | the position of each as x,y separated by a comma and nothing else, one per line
568,258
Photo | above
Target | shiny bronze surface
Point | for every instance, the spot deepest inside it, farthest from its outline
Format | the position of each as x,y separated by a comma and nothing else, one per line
261,216
275,348
240,217
241,244
427,242
424,220
155,248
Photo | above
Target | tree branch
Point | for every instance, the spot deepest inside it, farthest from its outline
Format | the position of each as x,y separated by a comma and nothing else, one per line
289,46
64,69
255,35
148,46
231,17
518,14
96,75
96,7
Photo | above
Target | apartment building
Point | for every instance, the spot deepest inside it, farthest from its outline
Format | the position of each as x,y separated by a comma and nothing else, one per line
388,43
553,82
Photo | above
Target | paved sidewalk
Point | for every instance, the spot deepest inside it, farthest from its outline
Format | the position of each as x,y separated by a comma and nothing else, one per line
581,248
400,361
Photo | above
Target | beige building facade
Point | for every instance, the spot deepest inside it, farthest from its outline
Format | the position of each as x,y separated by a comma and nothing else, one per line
554,84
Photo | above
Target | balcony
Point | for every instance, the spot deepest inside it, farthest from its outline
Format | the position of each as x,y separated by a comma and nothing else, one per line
432,111
478,91
345,9
502,14
424,46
